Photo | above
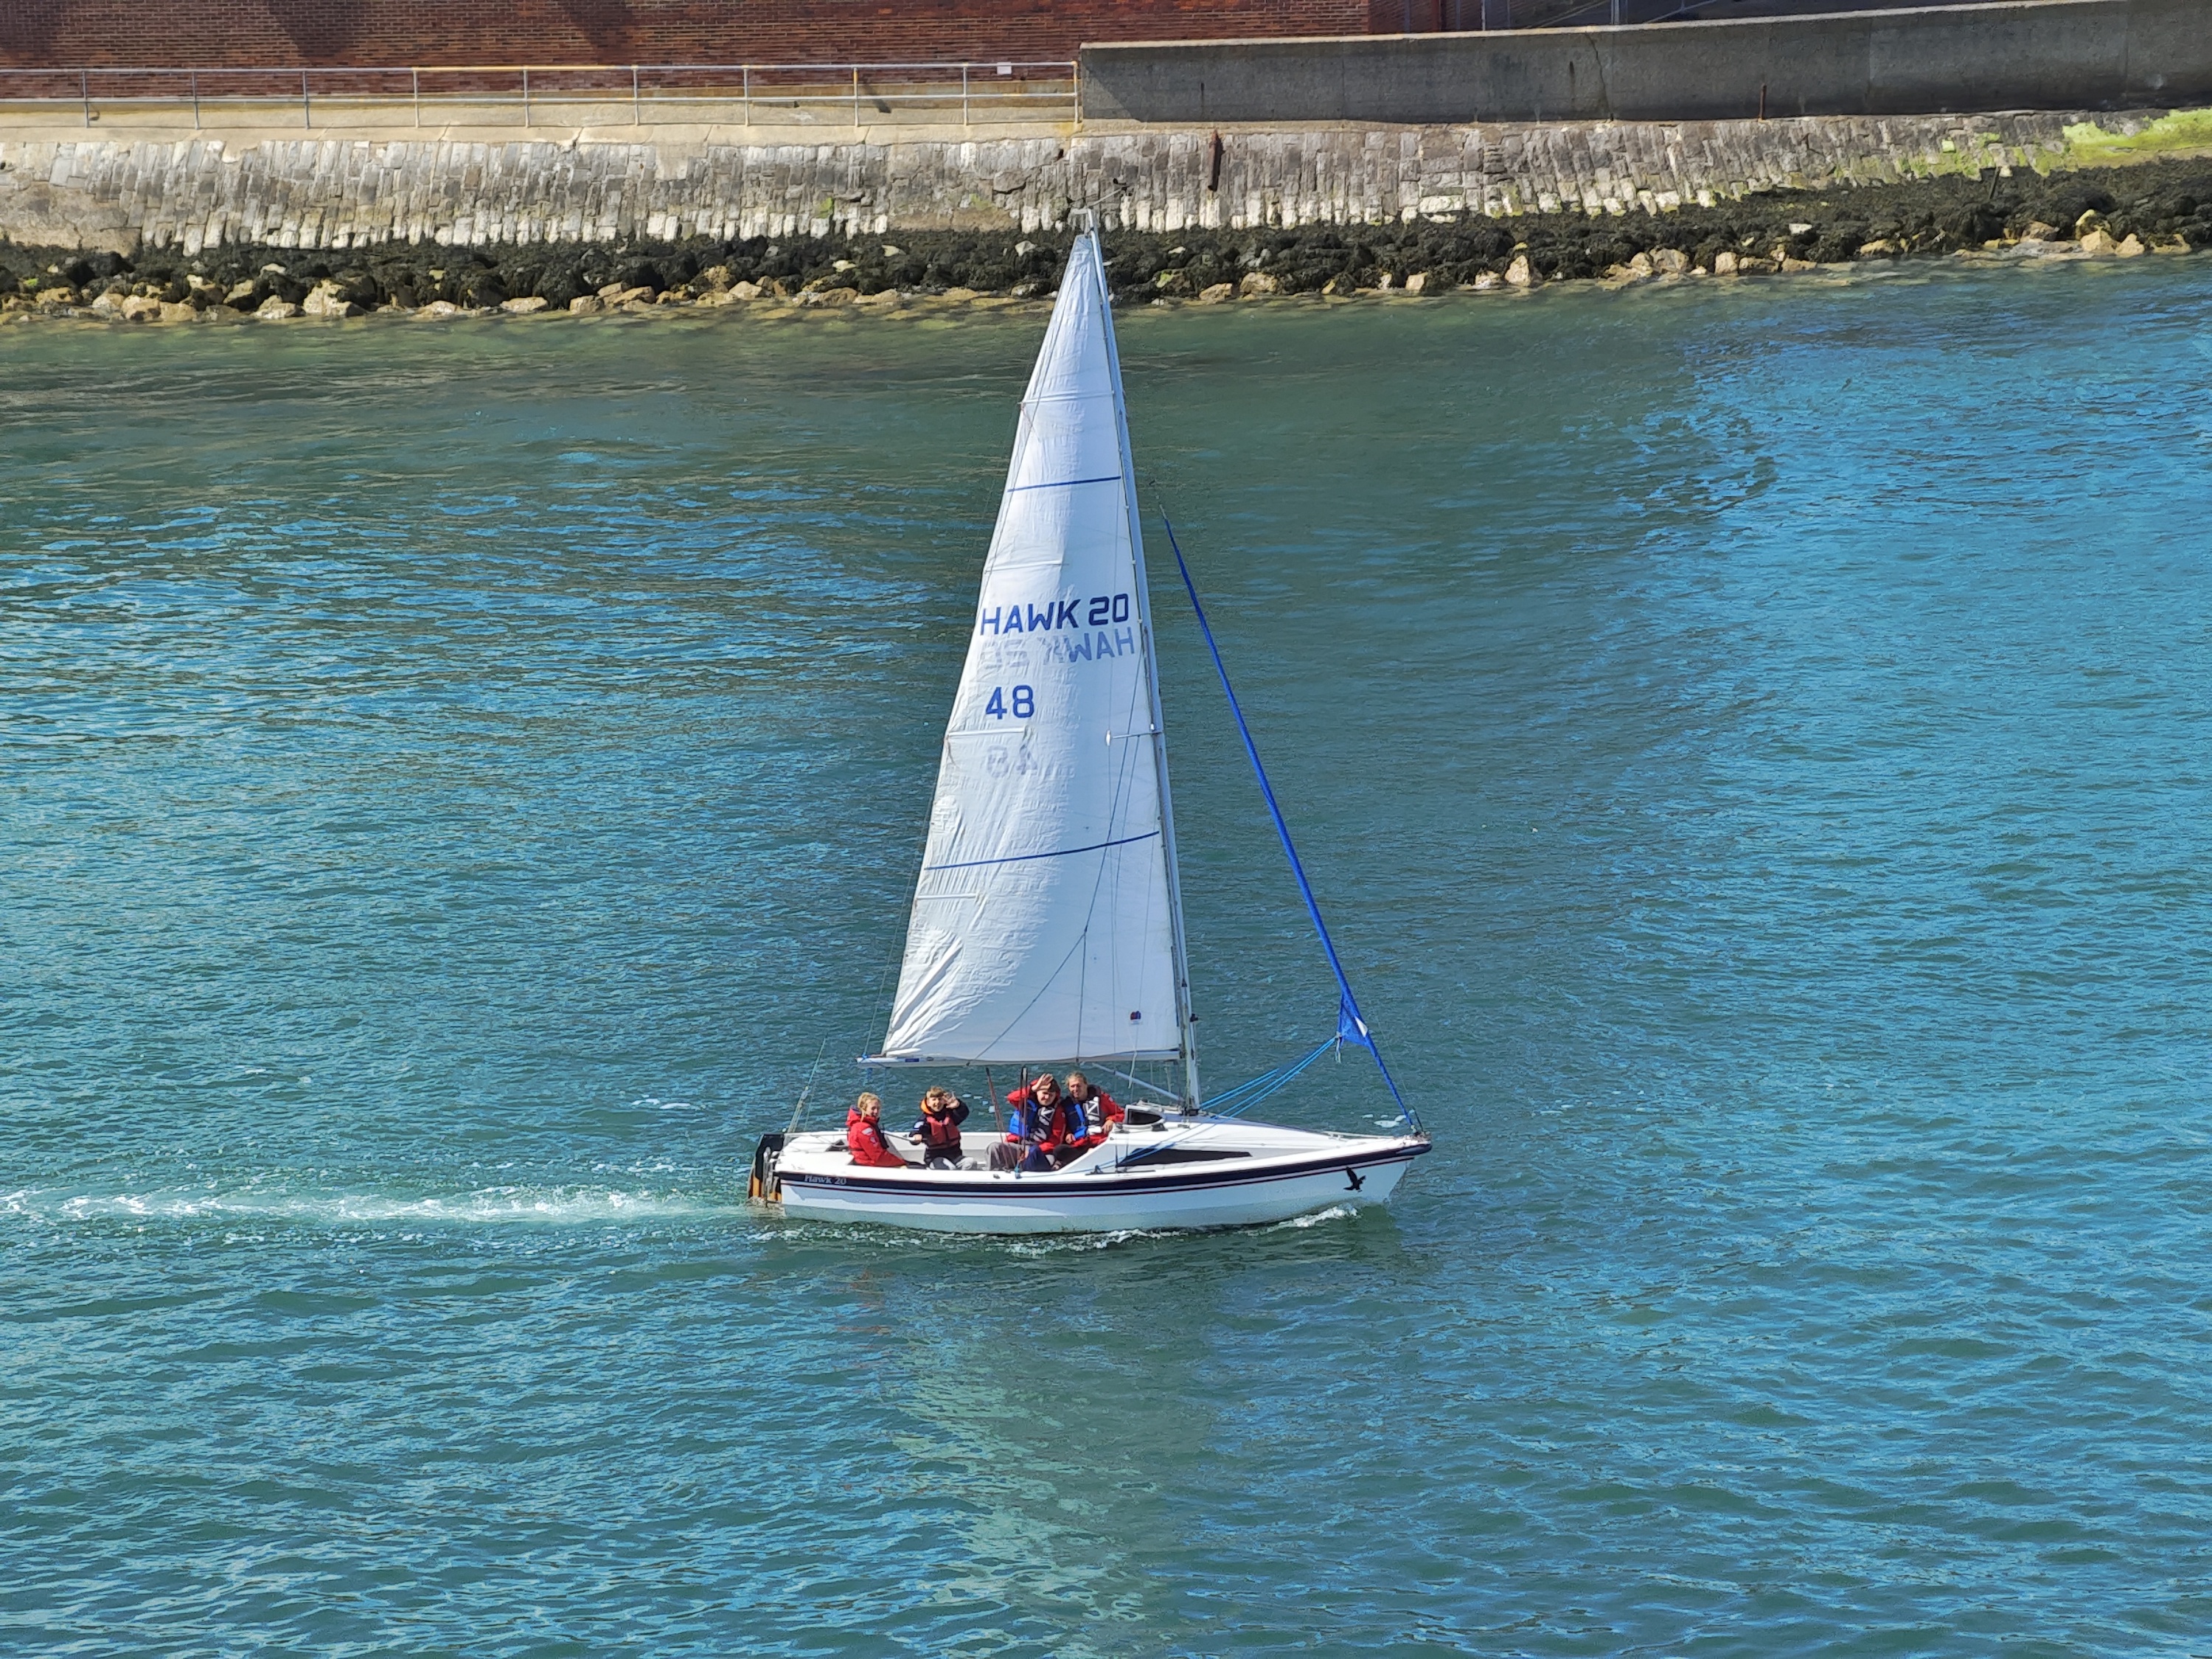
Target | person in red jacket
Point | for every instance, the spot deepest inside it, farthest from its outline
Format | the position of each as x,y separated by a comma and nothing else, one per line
1100,1111
1045,1129
864,1136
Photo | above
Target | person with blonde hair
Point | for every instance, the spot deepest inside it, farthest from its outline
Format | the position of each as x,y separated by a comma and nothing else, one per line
864,1139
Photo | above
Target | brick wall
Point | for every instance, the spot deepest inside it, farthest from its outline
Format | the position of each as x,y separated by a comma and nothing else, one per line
43,33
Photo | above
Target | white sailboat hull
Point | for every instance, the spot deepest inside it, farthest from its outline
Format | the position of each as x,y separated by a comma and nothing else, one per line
1223,1173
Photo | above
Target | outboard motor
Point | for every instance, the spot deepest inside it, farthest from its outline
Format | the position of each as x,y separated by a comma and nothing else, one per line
764,1185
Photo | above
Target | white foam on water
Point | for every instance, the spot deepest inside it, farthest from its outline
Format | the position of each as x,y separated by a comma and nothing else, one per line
489,1205
656,1104
1052,1244
1335,1212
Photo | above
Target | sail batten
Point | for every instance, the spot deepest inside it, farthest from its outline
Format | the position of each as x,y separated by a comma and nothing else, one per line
1058,852
1045,923
1062,483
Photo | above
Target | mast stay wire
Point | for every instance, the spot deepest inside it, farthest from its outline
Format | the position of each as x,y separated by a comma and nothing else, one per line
1350,1027
1250,1092
792,1128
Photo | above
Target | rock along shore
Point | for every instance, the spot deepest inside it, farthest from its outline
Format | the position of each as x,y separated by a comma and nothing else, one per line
2152,207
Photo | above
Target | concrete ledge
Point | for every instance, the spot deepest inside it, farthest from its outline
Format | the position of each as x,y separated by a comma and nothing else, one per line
674,121
2024,55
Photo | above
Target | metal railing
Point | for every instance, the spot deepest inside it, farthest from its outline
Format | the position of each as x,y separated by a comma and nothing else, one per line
992,92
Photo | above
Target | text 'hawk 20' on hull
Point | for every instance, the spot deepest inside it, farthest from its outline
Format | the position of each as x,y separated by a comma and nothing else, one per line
1048,919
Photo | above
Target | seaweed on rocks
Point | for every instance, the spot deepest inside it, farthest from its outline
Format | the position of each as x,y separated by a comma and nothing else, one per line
2164,203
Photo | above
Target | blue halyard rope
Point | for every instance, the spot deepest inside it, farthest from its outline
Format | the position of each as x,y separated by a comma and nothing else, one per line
1350,1027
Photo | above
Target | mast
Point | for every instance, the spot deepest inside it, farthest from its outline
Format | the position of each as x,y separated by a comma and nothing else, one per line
1186,1022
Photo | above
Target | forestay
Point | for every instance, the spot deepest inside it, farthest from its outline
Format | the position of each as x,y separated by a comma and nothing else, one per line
1045,923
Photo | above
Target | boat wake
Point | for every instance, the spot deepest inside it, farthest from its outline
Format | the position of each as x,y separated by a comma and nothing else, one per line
484,1207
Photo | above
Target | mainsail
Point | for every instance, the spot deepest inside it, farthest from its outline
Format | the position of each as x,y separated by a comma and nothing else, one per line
1045,922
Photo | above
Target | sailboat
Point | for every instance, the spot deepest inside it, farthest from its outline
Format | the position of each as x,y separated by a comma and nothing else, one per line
1048,924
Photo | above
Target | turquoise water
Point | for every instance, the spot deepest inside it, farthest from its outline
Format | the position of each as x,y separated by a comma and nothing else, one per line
1752,745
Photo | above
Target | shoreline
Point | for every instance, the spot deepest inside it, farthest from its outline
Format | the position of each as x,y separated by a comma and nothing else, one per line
2143,208
966,303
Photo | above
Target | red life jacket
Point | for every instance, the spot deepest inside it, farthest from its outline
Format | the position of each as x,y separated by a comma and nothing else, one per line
940,1135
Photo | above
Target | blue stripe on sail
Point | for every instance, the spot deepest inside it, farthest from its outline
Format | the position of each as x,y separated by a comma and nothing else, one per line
1064,483
1025,858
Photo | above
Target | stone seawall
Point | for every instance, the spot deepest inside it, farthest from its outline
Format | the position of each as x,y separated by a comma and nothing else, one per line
339,193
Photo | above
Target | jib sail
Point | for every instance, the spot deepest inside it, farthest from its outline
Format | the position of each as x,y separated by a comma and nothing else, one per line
1045,922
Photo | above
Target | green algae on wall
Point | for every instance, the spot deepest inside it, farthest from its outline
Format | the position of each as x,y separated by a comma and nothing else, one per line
2184,132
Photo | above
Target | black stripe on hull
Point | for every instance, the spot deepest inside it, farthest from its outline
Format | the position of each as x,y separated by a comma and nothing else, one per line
1097,1186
